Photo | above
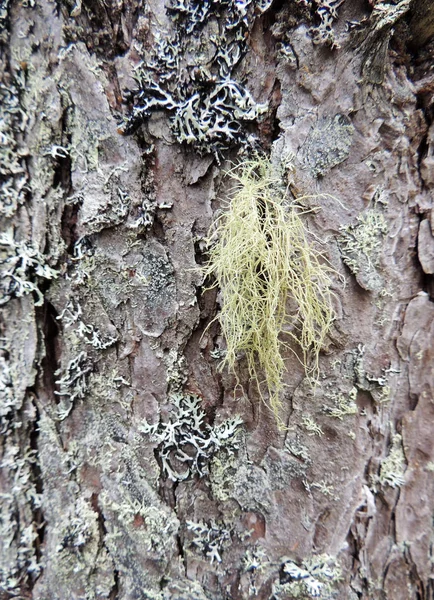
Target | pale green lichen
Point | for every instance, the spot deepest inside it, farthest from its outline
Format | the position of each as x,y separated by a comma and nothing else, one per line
362,242
310,425
325,487
264,261
392,470
343,404
361,245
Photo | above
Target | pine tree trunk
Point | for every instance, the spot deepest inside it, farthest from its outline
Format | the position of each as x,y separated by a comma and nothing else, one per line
132,465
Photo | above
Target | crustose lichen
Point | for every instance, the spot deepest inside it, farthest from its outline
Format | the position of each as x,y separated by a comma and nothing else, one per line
274,282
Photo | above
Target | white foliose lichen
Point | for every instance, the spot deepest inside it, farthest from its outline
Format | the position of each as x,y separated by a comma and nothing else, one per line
73,384
185,442
316,577
210,539
71,317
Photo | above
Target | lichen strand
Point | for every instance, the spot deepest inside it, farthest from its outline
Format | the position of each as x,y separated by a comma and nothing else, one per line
273,280
208,107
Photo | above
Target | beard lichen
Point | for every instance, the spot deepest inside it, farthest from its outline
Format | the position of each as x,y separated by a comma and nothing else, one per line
276,286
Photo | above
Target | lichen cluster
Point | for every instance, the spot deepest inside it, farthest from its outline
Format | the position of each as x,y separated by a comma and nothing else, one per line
191,75
82,341
327,12
13,172
320,15
361,242
275,283
72,317
22,267
210,539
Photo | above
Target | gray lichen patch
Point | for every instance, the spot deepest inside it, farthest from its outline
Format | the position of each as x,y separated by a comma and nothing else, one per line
255,487
328,144
104,166
158,276
19,562
18,339
73,557
141,539
79,559
140,275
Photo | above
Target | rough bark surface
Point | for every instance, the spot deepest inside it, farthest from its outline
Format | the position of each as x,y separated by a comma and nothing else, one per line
109,347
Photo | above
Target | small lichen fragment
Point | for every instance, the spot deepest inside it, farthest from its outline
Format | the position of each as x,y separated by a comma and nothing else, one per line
73,383
343,404
209,538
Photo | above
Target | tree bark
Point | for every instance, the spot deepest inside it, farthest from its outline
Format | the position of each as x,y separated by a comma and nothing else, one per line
132,466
